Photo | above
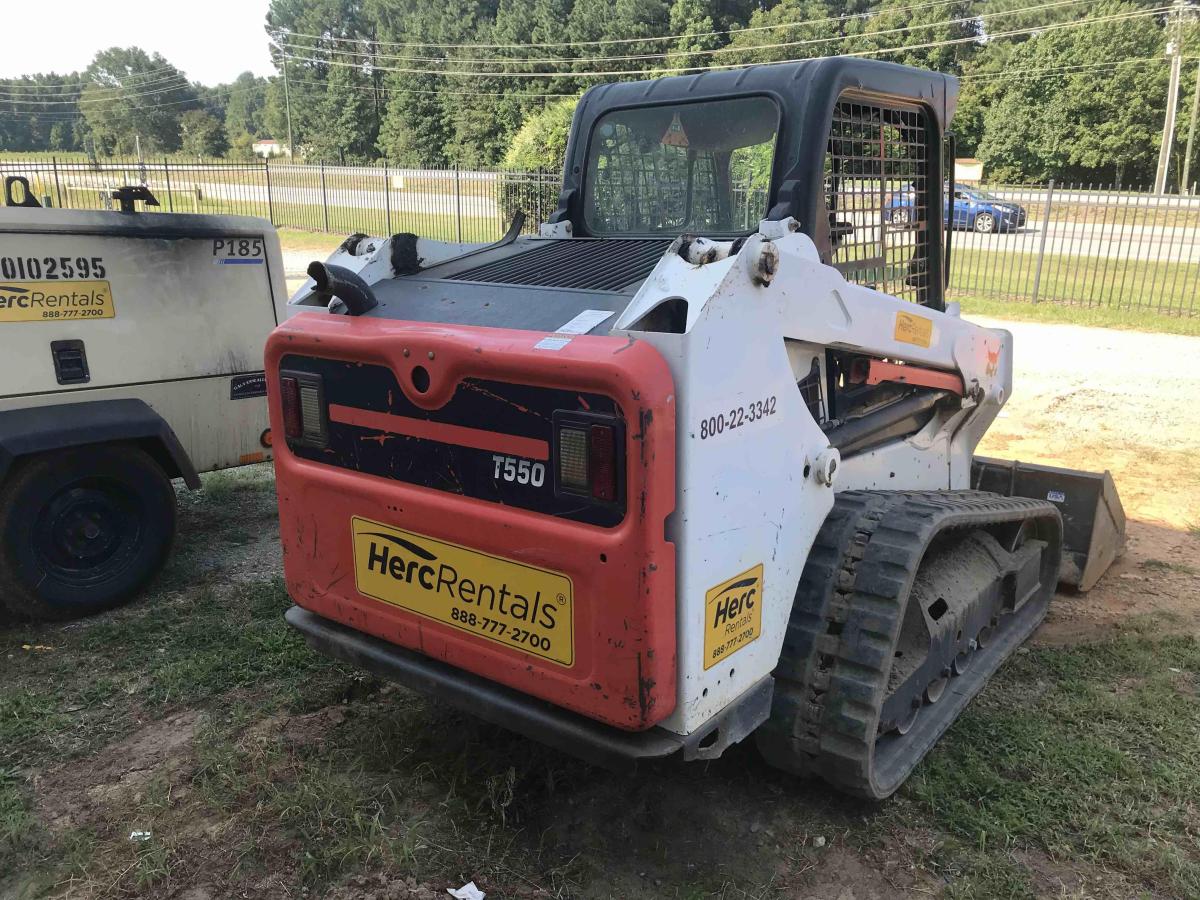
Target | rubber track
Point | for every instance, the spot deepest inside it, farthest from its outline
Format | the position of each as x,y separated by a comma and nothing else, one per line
832,675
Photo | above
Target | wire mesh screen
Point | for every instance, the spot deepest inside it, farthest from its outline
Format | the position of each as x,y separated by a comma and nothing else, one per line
877,181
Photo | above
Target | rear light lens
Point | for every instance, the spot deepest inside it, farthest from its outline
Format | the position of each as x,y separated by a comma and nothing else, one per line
289,399
573,459
302,401
602,467
588,456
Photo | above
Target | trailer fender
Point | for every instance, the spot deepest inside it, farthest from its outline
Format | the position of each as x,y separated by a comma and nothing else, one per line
24,432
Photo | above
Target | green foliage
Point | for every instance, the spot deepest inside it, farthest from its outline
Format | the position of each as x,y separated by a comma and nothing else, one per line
39,112
1083,123
133,98
245,109
345,134
201,134
431,84
541,143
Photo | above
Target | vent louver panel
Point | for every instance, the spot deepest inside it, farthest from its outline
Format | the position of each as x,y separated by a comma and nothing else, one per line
581,264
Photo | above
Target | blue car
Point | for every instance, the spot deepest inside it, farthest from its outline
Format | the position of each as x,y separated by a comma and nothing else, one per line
973,209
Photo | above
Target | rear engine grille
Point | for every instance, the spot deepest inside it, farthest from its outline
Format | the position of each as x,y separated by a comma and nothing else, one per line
580,263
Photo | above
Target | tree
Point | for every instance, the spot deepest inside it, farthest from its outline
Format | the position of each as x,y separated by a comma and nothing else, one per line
346,133
541,143
950,28
245,108
1079,118
38,110
201,134
131,96
320,35
798,29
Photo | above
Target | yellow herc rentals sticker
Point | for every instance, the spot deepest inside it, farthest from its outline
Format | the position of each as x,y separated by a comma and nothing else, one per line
911,329
519,606
55,301
732,615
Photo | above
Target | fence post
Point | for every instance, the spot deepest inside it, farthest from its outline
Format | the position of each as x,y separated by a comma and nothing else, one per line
57,186
458,202
167,176
324,196
387,198
270,201
1037,274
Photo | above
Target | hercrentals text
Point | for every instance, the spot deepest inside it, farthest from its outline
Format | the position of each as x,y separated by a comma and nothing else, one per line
26,299
429,574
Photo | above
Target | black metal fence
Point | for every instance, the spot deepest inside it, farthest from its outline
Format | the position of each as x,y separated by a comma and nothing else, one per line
447,204
1079,244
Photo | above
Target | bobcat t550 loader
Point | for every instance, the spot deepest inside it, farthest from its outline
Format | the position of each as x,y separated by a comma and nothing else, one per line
694,461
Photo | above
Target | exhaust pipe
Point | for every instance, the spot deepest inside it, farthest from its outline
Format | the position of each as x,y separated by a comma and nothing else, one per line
347,286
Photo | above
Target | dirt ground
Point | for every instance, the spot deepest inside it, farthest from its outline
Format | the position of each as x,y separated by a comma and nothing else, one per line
350,789
1129,402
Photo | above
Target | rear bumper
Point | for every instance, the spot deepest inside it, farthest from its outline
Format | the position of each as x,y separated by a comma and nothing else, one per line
544,722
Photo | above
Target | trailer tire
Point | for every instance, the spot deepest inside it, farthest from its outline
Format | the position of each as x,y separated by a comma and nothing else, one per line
82,530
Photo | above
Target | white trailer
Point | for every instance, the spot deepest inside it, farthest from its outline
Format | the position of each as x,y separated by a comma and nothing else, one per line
131,348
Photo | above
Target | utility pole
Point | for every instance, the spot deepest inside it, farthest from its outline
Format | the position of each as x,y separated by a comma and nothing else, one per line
287,103
1187,153
1168,136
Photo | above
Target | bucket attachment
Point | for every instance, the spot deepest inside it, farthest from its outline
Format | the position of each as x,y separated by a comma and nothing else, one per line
1093,519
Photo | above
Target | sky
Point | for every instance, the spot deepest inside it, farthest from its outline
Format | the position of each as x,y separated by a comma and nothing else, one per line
212,41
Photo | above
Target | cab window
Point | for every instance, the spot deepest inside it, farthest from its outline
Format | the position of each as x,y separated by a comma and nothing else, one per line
703,167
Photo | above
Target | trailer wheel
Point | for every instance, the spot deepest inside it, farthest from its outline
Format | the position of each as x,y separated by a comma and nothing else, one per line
83,530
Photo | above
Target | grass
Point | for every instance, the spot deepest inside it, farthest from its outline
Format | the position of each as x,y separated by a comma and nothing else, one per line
1132,285
1077,766
1162,565
1087,755
1072,314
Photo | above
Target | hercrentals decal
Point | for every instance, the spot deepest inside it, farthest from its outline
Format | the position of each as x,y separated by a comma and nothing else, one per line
519,606
733,615
52,301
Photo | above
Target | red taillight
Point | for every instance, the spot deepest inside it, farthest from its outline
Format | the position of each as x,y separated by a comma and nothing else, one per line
289,400
602,463
302,401
588,456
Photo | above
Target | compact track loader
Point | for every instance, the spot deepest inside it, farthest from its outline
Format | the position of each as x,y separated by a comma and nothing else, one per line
692,462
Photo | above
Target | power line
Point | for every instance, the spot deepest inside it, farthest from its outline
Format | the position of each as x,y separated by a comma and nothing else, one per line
636,40
117,94
690,69
103,87
216,92
1053,4
1023,73
133,78
391,90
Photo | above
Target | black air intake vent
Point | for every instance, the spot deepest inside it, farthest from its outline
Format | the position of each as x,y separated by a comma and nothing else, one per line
582,263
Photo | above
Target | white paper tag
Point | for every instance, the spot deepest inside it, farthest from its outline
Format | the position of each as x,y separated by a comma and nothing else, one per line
551,343
585,321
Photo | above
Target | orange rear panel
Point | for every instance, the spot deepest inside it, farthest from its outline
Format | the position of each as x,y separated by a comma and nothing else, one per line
400,529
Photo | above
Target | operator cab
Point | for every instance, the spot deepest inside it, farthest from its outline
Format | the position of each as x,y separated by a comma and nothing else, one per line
827,142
